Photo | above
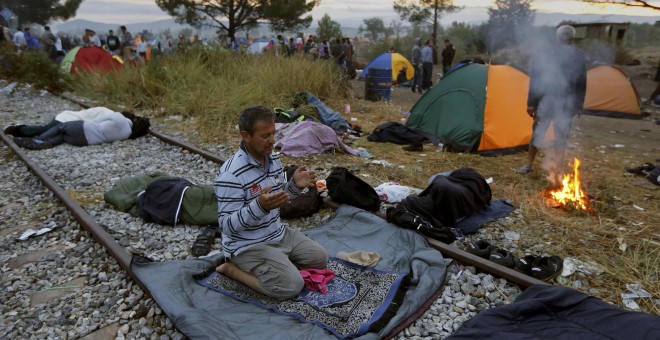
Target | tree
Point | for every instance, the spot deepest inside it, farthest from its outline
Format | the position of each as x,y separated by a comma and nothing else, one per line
235,15
42,11
425,11
507,21
396,27
328,28
374,27
628,3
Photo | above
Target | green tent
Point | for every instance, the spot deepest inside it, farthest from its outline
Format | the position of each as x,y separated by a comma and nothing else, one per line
476,108
68,60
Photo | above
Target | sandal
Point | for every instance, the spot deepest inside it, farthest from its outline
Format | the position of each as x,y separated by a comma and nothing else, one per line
203,243
547,268
524,264
480,248
502,257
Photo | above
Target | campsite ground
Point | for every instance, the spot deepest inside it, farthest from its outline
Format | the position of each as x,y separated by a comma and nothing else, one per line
620,235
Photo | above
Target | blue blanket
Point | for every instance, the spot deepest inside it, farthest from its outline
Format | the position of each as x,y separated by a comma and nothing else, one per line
357,299
201,313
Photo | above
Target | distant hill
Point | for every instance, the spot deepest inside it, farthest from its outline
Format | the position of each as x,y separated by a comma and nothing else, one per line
471,15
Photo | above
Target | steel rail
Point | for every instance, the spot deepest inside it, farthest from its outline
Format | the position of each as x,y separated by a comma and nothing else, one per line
85,220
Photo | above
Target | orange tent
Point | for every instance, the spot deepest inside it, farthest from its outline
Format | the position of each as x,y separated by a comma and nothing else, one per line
610,93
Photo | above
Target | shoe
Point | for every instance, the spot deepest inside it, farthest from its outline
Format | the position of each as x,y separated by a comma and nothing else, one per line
480,248
524,264
547,268
654,176
413,90
523,170
32,144
203,243
13,130
641,170
502,257
414,147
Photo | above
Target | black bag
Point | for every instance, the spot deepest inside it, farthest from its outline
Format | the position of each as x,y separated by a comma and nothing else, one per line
161,201
344,187
394,132
404,218
306,203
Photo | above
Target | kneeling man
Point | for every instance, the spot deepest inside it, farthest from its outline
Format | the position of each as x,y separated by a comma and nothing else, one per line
261,253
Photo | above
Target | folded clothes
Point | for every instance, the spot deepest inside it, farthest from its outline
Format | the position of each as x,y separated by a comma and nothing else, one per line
316,279
363,258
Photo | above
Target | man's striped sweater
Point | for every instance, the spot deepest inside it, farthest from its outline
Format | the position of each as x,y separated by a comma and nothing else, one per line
238,183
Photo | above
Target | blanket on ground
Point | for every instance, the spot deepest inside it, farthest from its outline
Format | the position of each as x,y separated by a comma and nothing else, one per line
308,138
199,312
551,312
357,299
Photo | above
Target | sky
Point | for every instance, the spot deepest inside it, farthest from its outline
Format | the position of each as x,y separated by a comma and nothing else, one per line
136,11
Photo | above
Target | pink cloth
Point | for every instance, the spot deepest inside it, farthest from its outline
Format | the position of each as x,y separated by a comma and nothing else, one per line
316,279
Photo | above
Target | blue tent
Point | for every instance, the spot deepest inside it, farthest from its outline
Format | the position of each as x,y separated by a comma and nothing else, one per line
391,61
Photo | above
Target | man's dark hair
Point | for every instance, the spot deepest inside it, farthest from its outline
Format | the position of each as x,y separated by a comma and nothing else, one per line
446,40
122,28
47,28
140,127
251,115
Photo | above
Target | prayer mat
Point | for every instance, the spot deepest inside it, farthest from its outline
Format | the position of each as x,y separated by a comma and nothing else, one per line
358,299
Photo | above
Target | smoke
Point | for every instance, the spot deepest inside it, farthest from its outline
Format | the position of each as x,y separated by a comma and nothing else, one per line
557,89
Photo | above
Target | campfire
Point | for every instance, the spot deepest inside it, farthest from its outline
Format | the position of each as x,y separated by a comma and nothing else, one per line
570,193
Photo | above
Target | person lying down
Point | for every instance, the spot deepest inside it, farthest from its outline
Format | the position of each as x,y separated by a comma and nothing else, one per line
81,128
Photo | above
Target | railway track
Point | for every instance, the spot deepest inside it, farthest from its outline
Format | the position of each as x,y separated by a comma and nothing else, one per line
77,178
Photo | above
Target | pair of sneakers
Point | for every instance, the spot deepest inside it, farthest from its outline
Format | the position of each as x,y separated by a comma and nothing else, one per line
544,268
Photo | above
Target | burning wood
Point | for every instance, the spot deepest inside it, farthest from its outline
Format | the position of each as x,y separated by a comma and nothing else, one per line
570,193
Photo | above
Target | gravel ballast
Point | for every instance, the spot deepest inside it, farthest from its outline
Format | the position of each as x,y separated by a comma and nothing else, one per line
92,291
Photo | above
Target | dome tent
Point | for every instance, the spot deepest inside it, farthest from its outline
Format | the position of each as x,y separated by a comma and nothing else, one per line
477,108
393,61
611,94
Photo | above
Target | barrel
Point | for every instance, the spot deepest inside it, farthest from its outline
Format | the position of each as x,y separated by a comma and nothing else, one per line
378,84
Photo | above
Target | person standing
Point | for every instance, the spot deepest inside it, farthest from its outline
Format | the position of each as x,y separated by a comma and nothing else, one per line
557,87
49,40
19,39
448,54
416,61
126,39
427,66
349,53
141,50
250,186
113,43
338,53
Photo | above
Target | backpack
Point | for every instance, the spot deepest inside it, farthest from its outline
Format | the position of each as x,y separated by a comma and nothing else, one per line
344,187
306,203
405,218
161,201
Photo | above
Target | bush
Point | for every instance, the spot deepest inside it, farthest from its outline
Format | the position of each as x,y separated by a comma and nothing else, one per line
30,67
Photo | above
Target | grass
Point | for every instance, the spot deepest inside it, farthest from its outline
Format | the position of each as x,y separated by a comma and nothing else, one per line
30,67
209,88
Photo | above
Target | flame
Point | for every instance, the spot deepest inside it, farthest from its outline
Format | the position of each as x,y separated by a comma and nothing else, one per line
570,192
